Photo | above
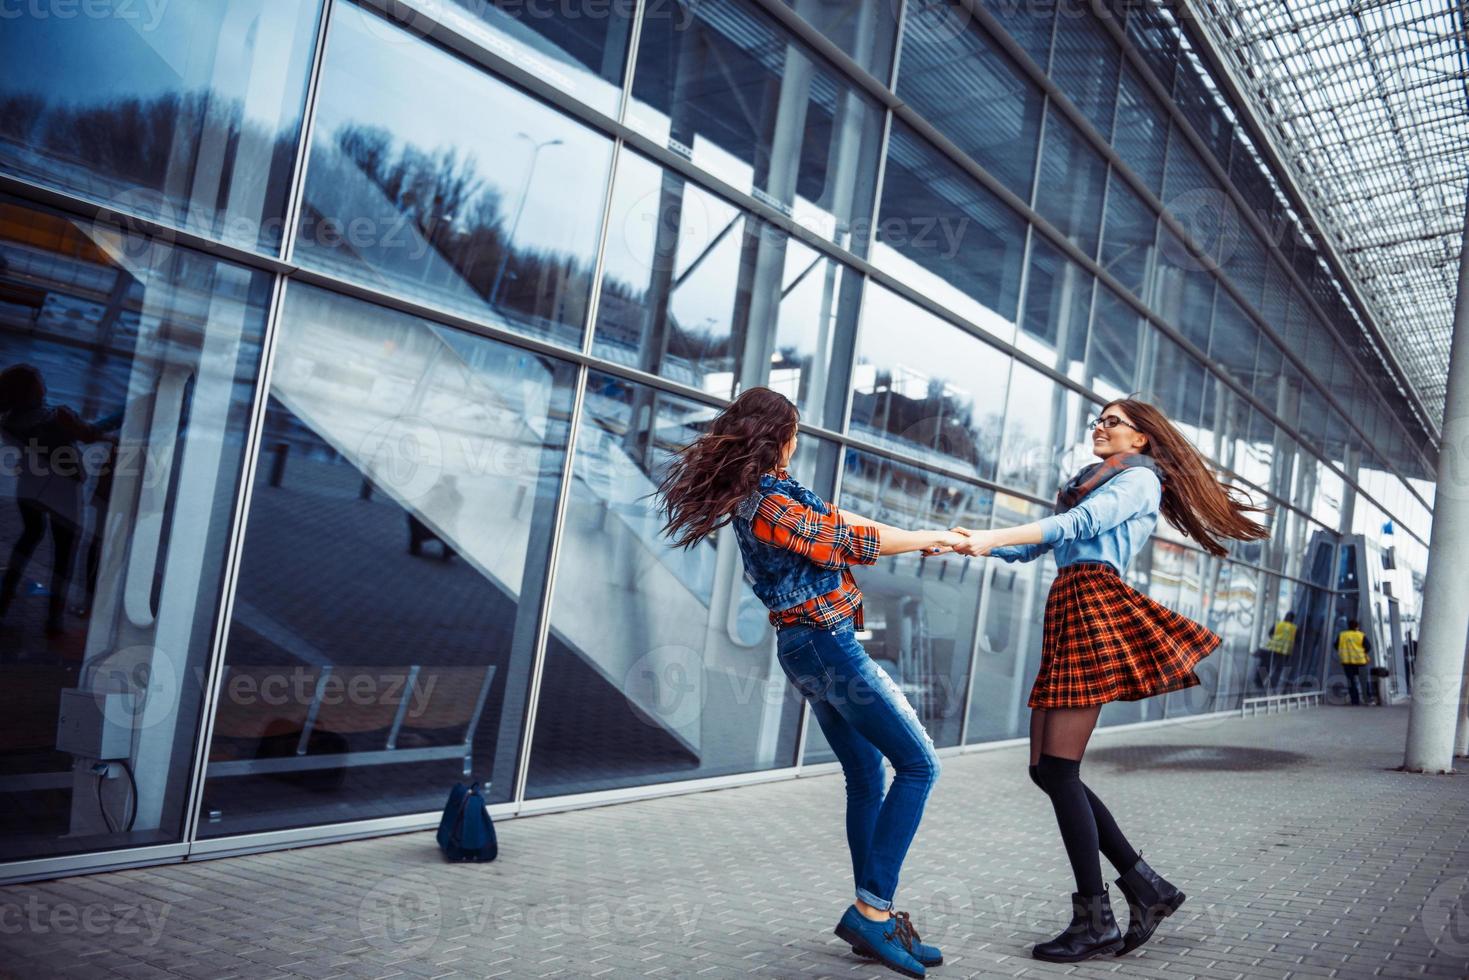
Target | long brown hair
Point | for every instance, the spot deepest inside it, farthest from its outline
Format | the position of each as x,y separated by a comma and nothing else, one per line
1194,501
710,476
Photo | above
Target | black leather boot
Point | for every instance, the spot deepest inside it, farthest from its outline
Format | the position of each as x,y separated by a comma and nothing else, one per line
1093,931
1150,900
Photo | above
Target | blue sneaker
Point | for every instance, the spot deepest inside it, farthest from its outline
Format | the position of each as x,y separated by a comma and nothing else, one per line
922,952
887,942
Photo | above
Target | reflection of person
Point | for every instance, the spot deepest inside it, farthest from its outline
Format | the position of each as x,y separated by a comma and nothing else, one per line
48,486
1352,648
1278,649
797,552
1104,642
442,503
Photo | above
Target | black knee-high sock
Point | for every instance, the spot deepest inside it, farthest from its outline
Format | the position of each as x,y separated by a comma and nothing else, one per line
1112,841
1061,780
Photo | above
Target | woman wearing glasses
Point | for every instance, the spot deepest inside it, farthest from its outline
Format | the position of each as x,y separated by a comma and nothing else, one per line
1104,641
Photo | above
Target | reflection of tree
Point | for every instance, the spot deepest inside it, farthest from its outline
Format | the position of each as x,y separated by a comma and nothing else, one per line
939,421
447,202
136,142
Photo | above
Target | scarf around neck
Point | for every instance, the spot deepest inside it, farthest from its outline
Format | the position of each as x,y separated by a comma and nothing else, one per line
1098,473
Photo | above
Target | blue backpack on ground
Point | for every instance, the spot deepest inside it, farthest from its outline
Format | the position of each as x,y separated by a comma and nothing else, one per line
465,831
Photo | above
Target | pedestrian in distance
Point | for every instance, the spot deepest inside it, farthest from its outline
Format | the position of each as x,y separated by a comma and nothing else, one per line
1352,648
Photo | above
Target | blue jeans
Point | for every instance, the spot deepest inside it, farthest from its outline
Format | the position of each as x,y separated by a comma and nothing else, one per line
865,717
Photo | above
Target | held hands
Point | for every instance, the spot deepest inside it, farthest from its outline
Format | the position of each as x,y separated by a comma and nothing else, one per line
974,544
946,541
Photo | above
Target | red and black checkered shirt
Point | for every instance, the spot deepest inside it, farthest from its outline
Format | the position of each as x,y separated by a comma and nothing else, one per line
828,541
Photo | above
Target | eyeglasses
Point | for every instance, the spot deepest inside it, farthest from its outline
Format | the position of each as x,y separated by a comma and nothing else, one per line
1109,422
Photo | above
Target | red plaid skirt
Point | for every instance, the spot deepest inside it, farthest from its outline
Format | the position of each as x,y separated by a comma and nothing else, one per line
1106,641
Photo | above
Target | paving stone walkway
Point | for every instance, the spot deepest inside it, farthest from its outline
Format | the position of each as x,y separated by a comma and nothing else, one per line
1303,854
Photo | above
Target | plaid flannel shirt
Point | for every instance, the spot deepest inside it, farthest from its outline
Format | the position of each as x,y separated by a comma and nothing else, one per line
828,541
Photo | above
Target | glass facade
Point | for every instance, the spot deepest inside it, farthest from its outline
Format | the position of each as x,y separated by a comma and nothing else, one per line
359,505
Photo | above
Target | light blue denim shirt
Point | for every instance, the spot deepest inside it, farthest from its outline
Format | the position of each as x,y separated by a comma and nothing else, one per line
1110,524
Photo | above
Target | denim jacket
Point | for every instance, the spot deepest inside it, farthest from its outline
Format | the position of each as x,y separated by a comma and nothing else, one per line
780,578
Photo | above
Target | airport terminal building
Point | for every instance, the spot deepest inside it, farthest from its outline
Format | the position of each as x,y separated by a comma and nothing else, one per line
374,323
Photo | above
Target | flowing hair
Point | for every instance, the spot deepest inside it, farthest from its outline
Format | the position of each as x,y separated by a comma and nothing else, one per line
1194,501
711,475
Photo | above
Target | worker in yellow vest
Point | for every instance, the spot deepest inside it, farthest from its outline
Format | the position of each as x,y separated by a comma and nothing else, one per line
1282,641
1352,649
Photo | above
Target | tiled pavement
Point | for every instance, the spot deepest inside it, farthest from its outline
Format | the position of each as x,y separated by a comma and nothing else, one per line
1301,851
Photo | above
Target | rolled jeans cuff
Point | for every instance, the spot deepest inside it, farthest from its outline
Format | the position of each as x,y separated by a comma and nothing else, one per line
881,904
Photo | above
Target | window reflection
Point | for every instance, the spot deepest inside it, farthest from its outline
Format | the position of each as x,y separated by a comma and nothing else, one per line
1141,138
919,612
1112,350
1010,639
1074,176
661,661
721,85
1043,423
489,221
126,380
943,233
865,31
1084,65
956,76
700,292
1127,240
394,561
1058,307
928,388
189,118
577,45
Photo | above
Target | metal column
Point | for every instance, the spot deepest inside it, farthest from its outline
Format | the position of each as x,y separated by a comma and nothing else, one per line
1439,672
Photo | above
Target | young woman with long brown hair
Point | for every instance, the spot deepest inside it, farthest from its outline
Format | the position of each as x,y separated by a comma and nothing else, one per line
1104,641
798,552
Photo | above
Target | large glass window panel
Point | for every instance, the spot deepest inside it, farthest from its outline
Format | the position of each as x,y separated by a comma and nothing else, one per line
1043,426
957,77
1269,370
499,222
1152,29
1129,232
1084,65
725,86
1028,24
943,233
1183,291
919,613
1195,96
1010,637
1073,177
926,387
1174,381
1113,346
1242,256
661,662
1058,303
395,558
705,294
186,114
1195,199
1141,136
126,383
865,31
1234,340
580,46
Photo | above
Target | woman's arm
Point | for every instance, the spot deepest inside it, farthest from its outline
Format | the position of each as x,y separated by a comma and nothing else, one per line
896,541
1115,501
852,517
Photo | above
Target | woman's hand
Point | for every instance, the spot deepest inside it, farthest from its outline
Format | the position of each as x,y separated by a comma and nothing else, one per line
976,544
946,541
